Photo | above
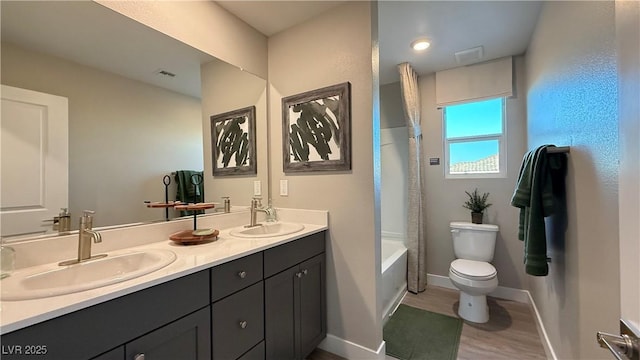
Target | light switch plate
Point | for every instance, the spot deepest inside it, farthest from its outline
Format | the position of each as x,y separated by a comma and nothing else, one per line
257,188
284,187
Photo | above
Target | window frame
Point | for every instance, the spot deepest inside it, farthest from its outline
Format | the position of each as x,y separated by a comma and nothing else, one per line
502,145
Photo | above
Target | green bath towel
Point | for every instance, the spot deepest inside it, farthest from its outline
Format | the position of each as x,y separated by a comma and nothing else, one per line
534,196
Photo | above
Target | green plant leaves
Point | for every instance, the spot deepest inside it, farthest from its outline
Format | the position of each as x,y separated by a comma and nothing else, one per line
476,203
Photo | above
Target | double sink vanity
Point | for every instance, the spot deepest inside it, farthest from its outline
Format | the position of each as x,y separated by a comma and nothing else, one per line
254,293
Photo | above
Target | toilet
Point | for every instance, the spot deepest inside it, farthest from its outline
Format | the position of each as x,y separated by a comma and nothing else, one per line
471,272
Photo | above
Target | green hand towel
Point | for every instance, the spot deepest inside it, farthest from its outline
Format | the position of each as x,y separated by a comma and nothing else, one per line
187,192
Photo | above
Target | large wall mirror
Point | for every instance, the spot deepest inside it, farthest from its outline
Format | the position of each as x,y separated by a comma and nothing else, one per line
139,104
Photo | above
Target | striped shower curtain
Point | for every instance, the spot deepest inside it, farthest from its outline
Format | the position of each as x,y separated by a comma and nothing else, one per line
416,242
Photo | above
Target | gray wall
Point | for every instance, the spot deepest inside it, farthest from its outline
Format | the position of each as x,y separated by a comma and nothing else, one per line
444,197
572,100
124,135
298,62
391,111
227,88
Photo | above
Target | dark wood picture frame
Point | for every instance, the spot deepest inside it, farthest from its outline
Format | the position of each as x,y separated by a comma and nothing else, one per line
316,130
233,142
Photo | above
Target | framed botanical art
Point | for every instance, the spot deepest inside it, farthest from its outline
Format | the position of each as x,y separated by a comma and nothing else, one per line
316,130
233,142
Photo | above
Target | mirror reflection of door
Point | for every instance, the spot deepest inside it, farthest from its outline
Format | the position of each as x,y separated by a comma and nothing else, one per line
34,160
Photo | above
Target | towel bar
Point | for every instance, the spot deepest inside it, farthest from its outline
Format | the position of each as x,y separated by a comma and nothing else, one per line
558,149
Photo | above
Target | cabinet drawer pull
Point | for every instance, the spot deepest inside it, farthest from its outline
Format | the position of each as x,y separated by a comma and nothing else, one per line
242,274
304,272
243,324
139,357
298,275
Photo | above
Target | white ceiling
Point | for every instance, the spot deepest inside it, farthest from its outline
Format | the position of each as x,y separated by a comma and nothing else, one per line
86,31
270,17
90,34
502,28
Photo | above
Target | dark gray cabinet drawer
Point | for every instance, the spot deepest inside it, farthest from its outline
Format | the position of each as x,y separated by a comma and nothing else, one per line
238,322
287,255
115,354
257,353
185,339
235,275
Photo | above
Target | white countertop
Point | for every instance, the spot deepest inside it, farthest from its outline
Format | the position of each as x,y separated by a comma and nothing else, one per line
190,259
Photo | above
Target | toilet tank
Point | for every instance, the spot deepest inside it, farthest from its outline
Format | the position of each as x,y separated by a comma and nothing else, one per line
474,241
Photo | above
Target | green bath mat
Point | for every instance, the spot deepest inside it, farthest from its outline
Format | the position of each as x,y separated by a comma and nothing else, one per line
415,334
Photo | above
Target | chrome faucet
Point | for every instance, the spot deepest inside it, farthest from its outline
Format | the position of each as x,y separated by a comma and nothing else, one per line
256,205
85,236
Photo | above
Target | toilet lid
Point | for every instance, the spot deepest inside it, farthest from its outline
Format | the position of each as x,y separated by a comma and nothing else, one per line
476,270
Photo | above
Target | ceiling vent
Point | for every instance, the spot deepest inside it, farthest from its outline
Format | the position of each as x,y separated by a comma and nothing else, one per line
470,56
165,73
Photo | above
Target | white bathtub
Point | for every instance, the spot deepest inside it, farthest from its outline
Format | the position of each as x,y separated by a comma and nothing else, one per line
394,274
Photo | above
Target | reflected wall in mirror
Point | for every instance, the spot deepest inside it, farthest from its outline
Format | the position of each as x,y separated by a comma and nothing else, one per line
129,125
224,89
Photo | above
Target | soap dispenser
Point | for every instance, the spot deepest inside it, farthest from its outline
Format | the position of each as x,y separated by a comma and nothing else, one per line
7,259
272,214
64,221
227,204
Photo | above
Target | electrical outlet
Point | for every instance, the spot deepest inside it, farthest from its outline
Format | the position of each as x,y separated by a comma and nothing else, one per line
284,187
257,188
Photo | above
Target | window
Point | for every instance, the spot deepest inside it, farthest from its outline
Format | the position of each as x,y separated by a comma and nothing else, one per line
474,141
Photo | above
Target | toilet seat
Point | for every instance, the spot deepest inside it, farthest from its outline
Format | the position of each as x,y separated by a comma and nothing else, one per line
473,270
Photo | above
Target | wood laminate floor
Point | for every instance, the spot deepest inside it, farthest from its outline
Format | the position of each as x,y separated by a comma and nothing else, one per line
510,333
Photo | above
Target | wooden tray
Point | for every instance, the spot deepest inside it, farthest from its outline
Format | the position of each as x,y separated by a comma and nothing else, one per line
198,206
164,205
186,237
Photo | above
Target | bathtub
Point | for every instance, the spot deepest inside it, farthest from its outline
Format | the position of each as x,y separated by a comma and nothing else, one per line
394,274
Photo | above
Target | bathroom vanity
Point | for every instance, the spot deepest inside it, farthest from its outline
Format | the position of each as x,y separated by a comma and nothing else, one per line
266,304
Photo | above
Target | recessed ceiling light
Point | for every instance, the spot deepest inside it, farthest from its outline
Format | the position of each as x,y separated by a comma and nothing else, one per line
420,44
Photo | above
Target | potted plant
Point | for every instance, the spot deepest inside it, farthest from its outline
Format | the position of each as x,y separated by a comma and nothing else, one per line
476,203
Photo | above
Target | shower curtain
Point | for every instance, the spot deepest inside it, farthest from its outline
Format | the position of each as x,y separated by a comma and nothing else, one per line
416,262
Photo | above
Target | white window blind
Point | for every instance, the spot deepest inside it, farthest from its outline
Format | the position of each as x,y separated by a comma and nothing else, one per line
492,79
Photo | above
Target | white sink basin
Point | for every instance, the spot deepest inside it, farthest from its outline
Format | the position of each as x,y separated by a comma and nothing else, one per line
52,279
267,230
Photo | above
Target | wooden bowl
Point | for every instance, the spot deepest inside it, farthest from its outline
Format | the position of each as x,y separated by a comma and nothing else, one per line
186,237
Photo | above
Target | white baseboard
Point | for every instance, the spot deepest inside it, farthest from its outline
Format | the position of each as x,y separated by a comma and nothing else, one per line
502,292
548,348
350,350
441,281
